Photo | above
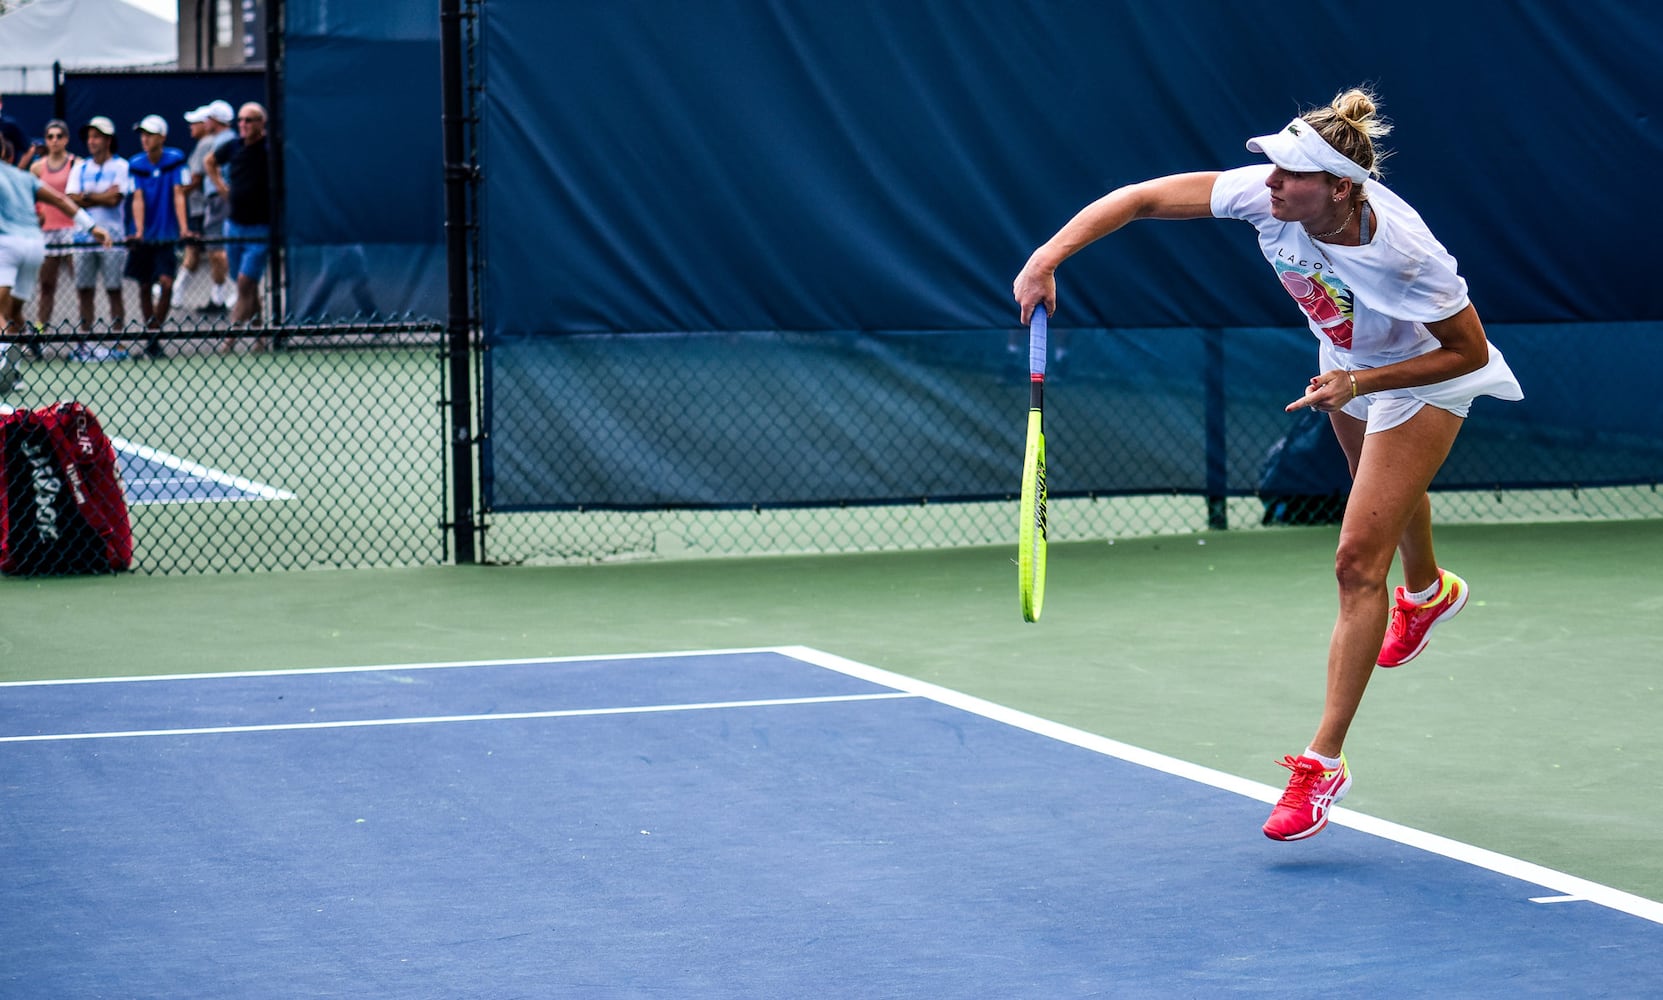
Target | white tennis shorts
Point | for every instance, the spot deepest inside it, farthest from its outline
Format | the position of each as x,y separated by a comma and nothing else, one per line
1390,407
20,258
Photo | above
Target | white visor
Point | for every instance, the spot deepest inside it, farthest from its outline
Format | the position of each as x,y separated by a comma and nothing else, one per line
1301,149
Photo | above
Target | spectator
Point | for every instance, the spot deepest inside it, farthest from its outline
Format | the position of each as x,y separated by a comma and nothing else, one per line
22,150
159,220
23,245
100,184
211,127
54,170
239,170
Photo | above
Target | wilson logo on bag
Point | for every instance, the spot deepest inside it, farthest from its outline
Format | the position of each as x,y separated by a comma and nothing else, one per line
62,508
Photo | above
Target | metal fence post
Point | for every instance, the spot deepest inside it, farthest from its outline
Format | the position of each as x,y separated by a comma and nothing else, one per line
276,96
1218,457
459,321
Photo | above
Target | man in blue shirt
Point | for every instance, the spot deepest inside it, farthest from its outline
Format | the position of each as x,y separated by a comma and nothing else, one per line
159,176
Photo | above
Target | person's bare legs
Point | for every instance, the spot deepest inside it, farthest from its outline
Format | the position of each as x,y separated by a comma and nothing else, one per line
157,315
1388,508
11,313
247,309
46,296
217,268
1419,563
86,297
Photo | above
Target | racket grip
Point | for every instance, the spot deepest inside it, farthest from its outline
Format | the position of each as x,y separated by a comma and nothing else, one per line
1038,330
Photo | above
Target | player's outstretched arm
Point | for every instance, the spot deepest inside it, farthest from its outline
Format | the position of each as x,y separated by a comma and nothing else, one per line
1177,196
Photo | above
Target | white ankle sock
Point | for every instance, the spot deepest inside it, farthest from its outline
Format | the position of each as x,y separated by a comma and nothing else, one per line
1426,595
1328,762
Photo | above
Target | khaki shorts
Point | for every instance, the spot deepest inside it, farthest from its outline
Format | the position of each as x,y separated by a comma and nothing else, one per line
94,263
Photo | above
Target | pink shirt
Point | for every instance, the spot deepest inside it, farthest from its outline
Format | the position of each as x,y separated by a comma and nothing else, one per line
52,217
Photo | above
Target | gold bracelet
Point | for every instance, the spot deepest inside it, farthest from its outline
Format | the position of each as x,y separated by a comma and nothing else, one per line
1353,379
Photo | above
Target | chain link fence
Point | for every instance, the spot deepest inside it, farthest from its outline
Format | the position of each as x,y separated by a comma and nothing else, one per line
275,446
756,416
256,446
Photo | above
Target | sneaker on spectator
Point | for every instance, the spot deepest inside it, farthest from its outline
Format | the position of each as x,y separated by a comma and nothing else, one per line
1302,811
1411,624
97,352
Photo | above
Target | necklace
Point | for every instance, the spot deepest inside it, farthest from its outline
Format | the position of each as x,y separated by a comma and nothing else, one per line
1341,229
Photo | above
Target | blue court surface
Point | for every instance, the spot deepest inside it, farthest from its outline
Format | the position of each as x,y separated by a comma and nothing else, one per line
749,823
152,476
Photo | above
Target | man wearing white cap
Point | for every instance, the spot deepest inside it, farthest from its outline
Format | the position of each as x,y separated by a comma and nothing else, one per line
100,184
206,208
160,220
1402,354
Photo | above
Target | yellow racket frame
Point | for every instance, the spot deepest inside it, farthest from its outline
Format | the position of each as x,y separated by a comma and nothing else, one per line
1030,560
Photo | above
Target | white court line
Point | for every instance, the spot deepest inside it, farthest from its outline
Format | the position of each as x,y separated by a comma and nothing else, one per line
178,464
1570,887
566,713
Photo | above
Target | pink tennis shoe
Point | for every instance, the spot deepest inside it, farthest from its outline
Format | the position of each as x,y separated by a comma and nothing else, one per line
1302,811
1411,624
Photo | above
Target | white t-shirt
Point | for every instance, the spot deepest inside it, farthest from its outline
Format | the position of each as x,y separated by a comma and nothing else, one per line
89,177
1368,305
1372,301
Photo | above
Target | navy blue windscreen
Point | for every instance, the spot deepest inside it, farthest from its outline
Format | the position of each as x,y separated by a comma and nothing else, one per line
363,173
759,251
31,112
124,98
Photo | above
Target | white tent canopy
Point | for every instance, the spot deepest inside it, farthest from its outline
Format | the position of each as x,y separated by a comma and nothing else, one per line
80,34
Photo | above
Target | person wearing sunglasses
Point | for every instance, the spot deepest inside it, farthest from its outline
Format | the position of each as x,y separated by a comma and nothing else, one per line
54,170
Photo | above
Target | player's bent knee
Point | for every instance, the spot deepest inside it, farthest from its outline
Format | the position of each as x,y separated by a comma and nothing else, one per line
1359,568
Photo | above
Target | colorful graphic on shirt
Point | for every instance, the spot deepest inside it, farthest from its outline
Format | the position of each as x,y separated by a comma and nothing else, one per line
1324,297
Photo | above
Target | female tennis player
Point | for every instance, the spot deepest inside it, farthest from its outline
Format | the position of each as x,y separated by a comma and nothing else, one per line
1402,356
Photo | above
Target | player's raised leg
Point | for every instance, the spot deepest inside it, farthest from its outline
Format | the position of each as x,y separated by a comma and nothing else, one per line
1429,595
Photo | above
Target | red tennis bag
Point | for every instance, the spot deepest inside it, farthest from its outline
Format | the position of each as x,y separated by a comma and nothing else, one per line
62,509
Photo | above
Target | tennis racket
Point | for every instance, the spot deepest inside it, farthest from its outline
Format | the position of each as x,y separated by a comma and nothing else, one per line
1030,561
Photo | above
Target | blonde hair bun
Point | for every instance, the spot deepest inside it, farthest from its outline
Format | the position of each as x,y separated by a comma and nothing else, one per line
1350,123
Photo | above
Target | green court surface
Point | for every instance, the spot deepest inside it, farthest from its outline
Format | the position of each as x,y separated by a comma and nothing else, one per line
1532,726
